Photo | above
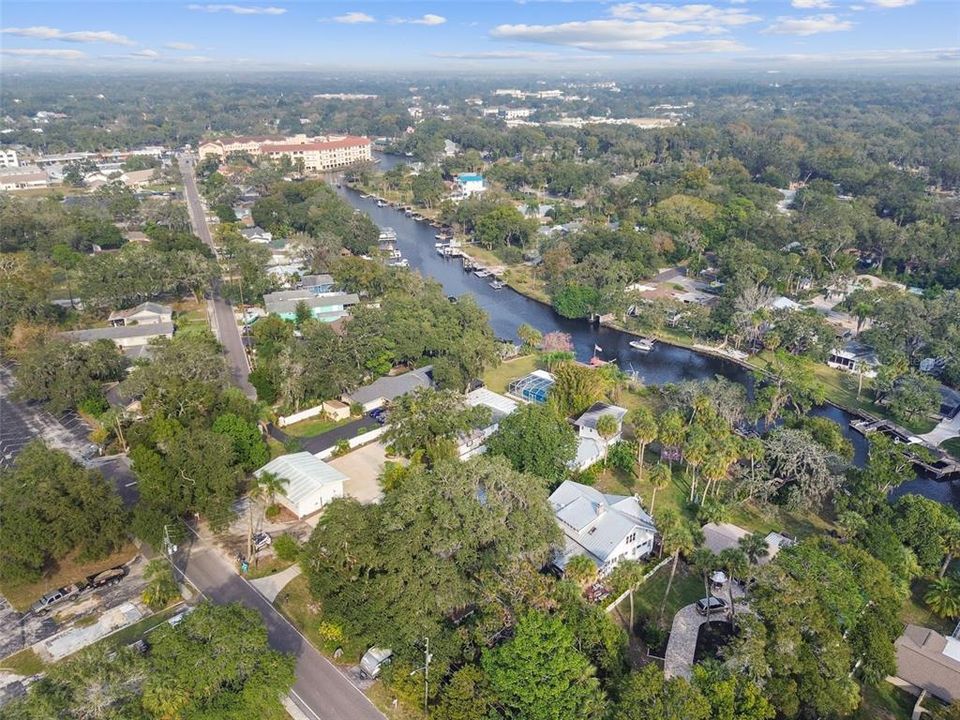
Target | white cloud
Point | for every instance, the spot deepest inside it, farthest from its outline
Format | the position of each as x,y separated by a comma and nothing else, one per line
146,54
197,59
180,46
701,14
617,36
428,19
238,9
812,4
42,32
353,18
891,3
810,25
45,53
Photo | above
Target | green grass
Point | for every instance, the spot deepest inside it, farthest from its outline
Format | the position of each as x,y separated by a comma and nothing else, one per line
916,612
269,566
313,426
132,633
885,702
499,377
381,696
299,607
25,663
276,448
687,588
952,446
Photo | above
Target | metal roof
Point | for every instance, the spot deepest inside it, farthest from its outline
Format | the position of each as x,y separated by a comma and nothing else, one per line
590,417
533,387
118,333
500,405
304,473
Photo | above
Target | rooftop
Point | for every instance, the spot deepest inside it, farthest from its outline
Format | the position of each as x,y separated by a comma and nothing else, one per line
393,386
119,333
590,417
929,660
303,473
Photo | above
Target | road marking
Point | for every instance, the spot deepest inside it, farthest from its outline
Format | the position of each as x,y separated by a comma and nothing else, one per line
302,704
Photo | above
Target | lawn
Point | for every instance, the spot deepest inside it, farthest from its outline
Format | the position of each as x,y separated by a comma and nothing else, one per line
313,426
916,612
952,446
25,663
299,607
268,566
381,696
68,570
499,377
885,702
687,588
190,318
132,633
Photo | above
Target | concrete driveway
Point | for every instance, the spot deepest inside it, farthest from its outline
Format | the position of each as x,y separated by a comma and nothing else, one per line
682,645
362,467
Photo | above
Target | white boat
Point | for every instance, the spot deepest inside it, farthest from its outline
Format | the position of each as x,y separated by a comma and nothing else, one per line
381,203
643,344
482,273
402,263
498,284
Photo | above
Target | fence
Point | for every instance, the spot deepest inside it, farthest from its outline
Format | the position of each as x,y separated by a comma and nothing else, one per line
302,415
354,442
611,606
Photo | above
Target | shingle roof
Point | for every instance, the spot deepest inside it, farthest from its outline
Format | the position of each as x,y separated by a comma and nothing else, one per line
392,387
303,472
118,333
594,522
928,660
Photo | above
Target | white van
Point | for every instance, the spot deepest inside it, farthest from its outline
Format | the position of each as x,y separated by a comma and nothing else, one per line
373,661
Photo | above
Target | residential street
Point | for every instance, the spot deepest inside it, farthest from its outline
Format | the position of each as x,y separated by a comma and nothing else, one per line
321,691
224,323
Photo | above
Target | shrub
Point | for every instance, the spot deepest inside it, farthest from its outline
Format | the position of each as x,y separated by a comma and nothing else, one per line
341,448
272,511
286,548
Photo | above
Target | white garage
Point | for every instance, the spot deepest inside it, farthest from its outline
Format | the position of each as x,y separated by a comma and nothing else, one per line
311,483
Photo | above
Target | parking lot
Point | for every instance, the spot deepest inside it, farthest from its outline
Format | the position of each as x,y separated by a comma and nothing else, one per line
22,422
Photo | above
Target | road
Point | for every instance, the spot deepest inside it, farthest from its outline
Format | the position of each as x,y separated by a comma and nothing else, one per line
321,691
225,325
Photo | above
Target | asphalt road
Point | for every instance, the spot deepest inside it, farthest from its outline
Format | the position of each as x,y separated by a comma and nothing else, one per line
321,691
328,439
225,325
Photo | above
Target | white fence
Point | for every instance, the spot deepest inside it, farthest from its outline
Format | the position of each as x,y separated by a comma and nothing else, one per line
302,415
354,442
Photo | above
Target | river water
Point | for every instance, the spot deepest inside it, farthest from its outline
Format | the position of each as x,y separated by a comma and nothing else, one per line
508,310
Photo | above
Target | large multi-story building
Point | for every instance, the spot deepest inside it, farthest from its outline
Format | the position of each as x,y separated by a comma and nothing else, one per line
8,158
317,154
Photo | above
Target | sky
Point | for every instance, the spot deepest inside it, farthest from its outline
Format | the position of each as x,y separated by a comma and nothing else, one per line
455,35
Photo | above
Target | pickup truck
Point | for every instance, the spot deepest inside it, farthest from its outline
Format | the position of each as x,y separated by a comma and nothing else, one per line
98,580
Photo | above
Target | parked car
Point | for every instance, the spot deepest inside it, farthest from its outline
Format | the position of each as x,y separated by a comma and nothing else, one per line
714,603
43,605
379,414
374,660
262,540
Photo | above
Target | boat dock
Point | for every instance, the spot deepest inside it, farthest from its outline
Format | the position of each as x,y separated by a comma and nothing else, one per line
933,461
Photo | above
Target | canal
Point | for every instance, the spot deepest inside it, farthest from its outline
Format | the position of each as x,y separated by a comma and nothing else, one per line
508,310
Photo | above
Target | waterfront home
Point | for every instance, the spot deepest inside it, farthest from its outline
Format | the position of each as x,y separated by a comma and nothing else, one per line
856,358
591,446
326,307
470,183
473,443
927,660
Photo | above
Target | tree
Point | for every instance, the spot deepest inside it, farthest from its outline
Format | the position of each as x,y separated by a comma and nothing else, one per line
539,674
248,445
536,440
754,546
913,394
704,561
800,467
266,486
731,696
530,337
678,536
576,388
581,570
660,477
735,563
644,431
466,696
671,434
647,695
607,428
924,526
431,421
943,596
161,587
52,508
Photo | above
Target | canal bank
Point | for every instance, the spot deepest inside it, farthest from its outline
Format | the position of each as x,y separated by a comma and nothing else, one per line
666,363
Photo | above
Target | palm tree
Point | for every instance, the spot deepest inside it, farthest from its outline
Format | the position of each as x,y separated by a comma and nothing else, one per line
660,477
715,467
754,546
752,450
645,432
677,536
734,562
265,488
943,596
607,427
704,562
951,541
695,451
672,431
581,570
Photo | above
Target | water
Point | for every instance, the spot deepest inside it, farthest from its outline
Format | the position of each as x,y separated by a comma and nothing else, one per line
664,364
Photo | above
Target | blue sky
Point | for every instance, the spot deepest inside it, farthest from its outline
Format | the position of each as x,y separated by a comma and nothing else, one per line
534,35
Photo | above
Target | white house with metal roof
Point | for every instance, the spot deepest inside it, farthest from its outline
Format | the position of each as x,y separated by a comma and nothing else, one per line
500,406
311,484
604,528
590,445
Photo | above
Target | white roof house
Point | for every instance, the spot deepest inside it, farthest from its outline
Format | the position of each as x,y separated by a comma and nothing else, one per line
590,445
500,406
311,483
148,313
604,528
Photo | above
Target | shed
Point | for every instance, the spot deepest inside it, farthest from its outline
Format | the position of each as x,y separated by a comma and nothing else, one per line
311,483
336,410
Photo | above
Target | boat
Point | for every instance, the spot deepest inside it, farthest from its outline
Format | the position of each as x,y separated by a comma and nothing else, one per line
365,197
482,272
401,263
643,344
381,203
498,284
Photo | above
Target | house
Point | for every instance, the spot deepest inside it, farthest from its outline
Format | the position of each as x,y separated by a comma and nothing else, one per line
784,303
138,179
336,410
326,307
499,405
718,537
927,660
317,284
389,388
855,357
311,484
533,387
591,446
257,234
127,337
24,177
949,402
148,313
604,528
470,183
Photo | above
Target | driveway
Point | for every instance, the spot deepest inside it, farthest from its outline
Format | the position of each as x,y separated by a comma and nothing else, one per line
945,430
327,440
363,468
682,645
116,469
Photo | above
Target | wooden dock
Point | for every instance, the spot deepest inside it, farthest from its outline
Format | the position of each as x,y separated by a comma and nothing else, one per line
938,464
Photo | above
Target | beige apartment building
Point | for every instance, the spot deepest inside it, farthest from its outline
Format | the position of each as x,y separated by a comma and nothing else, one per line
318,154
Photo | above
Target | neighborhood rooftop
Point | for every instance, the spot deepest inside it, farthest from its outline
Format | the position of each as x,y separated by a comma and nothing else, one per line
118,333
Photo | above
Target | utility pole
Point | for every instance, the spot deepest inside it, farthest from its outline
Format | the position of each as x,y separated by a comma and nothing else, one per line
427,657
